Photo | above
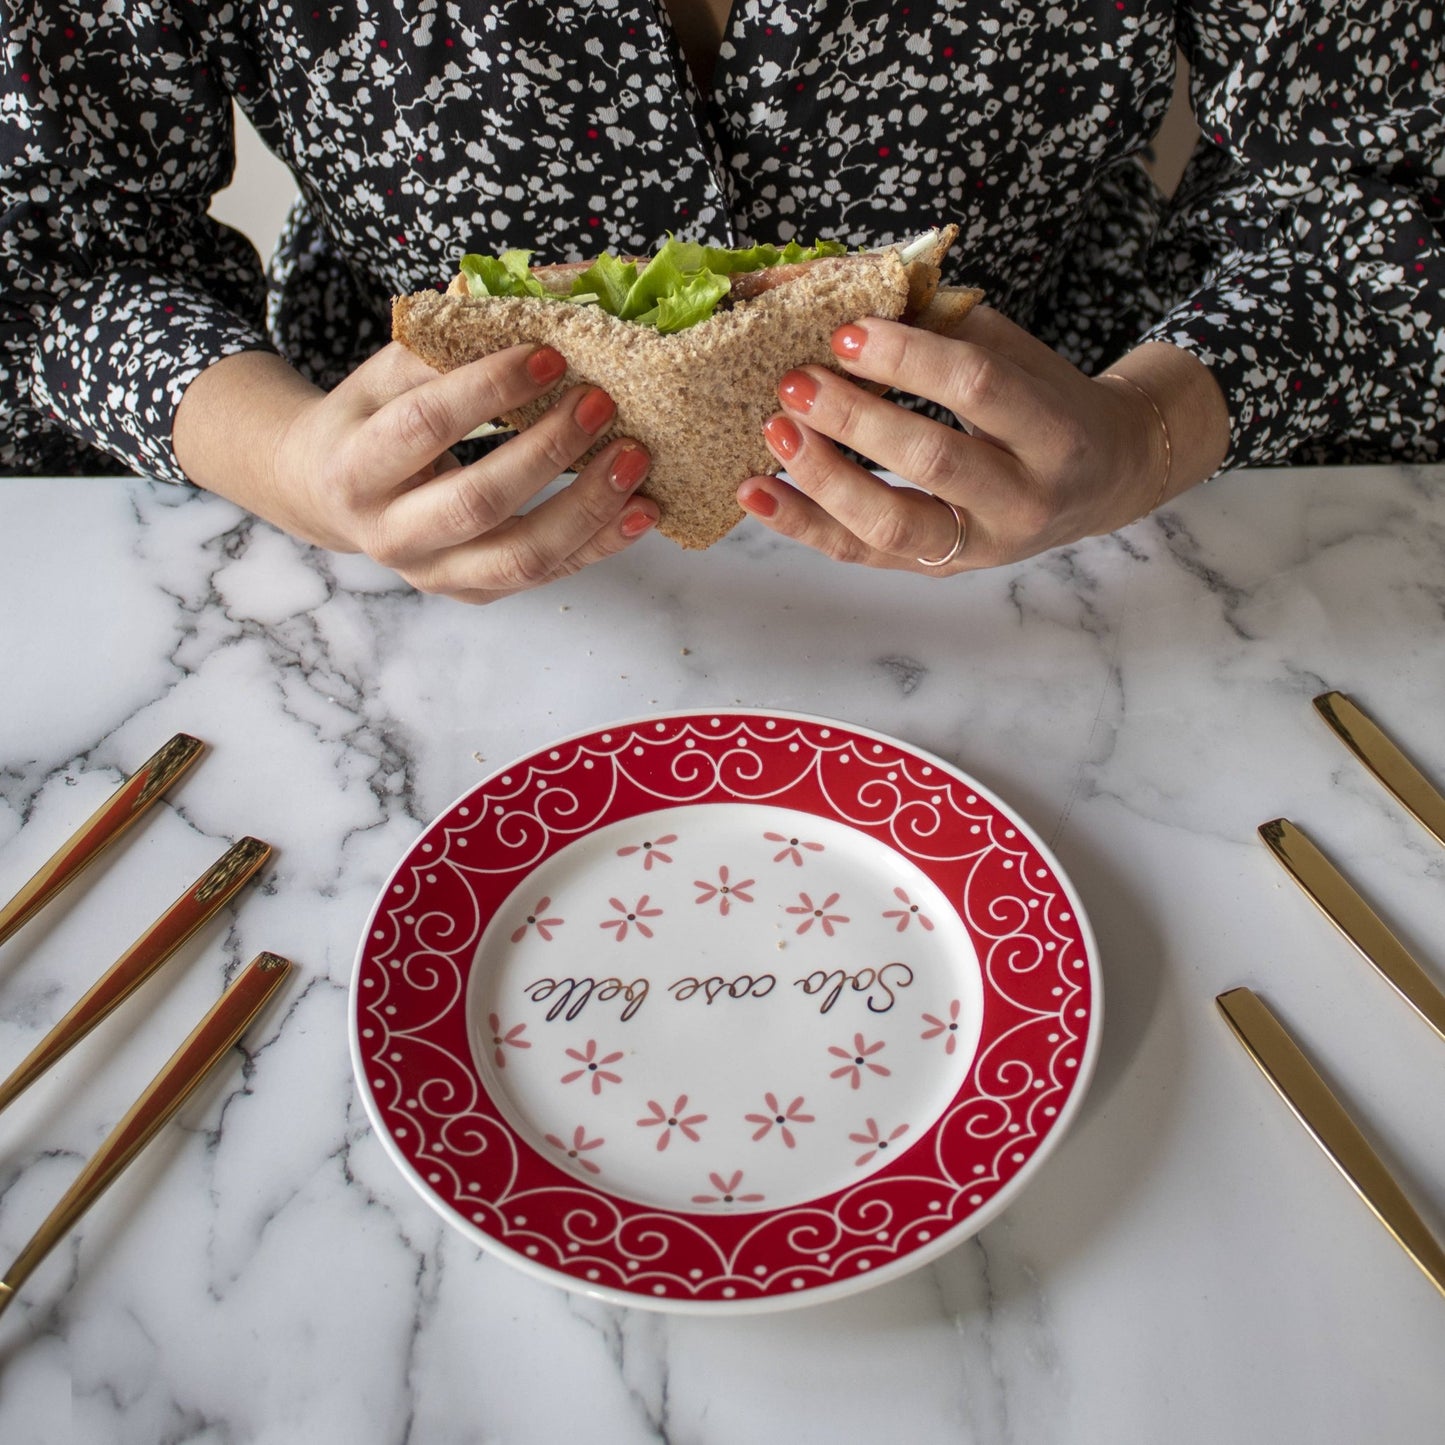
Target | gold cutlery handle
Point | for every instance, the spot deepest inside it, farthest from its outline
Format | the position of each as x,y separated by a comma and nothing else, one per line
1337,899
201,901
124,808
1283,1063
207,1044
1382,756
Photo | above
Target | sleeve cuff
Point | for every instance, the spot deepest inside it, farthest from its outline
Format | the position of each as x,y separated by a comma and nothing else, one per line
1281,338
119,352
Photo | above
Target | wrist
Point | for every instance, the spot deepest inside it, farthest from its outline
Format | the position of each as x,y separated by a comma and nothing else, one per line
1181,426
236,433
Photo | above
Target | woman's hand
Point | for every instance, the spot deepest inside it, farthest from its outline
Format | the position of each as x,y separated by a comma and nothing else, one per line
1049,456
368,467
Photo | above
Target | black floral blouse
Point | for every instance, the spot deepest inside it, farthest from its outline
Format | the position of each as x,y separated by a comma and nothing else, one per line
1302,258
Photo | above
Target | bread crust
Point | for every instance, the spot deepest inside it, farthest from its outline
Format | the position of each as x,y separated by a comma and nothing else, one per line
696,399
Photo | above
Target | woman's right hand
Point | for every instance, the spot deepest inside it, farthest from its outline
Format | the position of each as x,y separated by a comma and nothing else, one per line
368,466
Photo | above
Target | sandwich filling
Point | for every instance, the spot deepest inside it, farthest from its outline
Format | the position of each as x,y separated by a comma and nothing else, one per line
683,284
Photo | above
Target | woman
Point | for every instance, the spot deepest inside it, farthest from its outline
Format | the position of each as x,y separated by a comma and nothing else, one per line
1287,304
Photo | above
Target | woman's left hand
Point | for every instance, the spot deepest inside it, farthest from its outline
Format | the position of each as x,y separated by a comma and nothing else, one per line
1050,456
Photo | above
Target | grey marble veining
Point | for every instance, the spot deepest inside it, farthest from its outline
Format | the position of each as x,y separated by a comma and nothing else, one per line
1185,1268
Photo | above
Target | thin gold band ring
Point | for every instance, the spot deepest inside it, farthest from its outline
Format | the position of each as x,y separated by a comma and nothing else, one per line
960,537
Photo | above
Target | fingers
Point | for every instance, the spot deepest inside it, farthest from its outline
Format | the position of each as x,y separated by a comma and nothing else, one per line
466,503
596,516
410,417
993,375
938,459
849,514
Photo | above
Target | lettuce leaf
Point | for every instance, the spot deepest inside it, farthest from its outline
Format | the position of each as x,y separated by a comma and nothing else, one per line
509,274
680,286
759,258
692,300
609,280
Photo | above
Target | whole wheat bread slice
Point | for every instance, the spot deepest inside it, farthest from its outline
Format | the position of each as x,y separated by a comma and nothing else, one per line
697,399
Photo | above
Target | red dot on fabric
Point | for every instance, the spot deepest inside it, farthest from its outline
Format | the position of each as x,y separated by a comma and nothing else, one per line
592,134
401,240
69,33
382,43
882,150
169,310
25,79
1219,138
948,52
594,221
448,43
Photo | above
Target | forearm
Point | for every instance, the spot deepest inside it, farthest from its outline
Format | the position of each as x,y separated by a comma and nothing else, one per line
229,435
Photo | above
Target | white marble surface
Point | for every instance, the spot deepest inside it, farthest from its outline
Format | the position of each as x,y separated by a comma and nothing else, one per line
1185,1268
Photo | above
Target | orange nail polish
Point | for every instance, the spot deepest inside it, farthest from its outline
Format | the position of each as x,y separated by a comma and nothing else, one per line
798,391
849,341
595,410
759,502
629,467
634,524
783,437
545,365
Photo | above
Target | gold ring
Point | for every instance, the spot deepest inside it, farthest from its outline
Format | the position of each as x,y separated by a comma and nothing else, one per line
960,536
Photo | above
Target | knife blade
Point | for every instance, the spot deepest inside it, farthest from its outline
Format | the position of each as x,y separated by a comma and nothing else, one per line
203,1049
1338,900
199,903
117,815
1382,756
1296,1081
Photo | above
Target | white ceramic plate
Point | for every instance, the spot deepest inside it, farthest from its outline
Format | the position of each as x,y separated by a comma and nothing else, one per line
724,1011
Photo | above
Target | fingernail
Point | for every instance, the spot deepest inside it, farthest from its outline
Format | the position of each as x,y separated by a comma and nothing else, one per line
595,410
759,502
798,391
849,341
545,365
783,437
634,524
629,467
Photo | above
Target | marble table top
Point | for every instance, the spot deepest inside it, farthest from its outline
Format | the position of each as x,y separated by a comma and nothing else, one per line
1186,1266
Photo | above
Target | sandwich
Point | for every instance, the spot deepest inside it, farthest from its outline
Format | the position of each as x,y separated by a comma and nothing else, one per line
689,343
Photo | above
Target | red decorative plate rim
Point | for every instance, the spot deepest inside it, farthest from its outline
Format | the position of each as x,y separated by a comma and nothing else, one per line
413,1044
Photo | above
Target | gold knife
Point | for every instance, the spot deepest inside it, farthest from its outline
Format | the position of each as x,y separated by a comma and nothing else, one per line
1285,1066
200,902
187,1067
124,808
1374,748
1342,905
